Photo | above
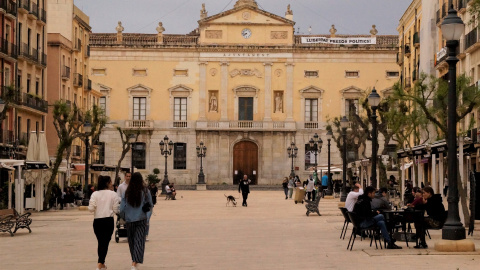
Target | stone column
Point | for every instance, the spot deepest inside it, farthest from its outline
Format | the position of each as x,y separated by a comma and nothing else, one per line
288,100
224,92
268,92
203,90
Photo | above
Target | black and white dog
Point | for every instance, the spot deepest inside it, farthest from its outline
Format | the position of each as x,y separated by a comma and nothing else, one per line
231,199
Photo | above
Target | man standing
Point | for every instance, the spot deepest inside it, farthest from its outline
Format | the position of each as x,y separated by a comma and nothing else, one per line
123,186
325,181
244,186
369,217
353,196
310,187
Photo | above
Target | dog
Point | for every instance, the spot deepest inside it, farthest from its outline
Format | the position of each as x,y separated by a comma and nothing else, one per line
231,199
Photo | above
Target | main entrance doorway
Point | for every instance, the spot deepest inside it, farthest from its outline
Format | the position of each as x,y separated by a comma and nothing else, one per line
245,161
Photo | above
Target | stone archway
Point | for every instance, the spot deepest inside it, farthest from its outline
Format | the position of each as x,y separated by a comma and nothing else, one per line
245,161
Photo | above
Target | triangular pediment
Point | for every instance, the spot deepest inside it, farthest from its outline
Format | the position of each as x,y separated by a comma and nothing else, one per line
352,89
312,89
245,15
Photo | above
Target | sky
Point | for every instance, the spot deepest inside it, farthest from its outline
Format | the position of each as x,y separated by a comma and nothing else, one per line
181,16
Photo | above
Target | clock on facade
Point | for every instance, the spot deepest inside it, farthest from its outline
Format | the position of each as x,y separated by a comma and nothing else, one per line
246,33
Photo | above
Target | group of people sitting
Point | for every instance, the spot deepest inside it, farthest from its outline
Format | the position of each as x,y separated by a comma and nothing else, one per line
368,205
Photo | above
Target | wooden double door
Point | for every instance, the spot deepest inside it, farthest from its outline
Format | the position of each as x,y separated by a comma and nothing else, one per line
245,161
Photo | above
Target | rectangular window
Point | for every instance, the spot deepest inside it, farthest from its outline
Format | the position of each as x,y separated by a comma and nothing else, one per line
139,108
311,110
103,103
139,155
180,110
393,73
351,107
245,109
352,74
180,156
28,82
37,87
28,130
311,73
309,157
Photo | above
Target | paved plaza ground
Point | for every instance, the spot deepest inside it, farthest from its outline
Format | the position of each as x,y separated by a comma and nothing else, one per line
199,232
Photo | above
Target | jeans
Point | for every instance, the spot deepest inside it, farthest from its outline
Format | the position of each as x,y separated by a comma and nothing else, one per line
103,228
290,192
286,192
149,215
245,197
378,220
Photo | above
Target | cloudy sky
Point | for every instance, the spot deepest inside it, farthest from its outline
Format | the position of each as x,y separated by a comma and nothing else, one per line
181,16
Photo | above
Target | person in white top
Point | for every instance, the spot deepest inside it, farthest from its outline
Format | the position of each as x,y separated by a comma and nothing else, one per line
353,196
123,186
309,188
104,203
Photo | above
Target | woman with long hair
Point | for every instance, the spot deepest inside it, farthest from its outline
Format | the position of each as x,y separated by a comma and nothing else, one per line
104,203
136,204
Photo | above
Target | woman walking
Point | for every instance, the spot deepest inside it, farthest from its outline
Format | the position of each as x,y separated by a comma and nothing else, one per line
136,204
104,203
285,187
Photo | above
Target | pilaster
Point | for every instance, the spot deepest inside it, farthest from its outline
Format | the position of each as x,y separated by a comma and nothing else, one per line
289,94
224,91
268,92
203,90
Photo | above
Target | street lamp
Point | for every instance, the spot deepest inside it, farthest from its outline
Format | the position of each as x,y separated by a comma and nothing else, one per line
344,125
373,101
329,138
131,140
316,145
201,153
292,151
166,150
452,29
87,128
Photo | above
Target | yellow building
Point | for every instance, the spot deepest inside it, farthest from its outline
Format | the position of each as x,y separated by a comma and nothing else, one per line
243,83
68,80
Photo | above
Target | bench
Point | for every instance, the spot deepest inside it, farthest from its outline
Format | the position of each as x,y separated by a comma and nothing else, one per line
312,206
8,216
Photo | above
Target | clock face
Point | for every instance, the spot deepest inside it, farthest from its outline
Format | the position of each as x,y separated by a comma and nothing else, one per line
246,33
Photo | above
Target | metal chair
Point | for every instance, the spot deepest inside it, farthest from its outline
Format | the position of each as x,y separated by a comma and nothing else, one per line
345,223
373,231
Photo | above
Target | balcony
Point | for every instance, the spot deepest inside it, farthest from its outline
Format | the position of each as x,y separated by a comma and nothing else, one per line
42,16
10,8
35,103
76,151
8,48
440,58
416,39
33,13
88,84
7,136
65,73
23,6
87,51
438,17
408,82
78,45
33,55
241,125
180,124
471,41
11,94
407,51
77,80
414,75
462,6
310,125
139,124
399,58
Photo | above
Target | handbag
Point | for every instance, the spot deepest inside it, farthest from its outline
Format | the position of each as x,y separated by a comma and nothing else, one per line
146,205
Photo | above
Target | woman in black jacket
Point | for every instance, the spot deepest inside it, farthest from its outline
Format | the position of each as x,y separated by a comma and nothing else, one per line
432,204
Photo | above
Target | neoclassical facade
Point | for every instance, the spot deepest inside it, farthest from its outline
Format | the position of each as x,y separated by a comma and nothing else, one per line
242,82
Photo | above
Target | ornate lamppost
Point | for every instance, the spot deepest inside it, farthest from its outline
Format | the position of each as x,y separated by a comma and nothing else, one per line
292,151
452,30
87,128
166,148
316,145
329,138
201,153
344,125
373,101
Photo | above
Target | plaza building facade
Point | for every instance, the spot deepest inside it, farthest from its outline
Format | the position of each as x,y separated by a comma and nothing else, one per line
243,82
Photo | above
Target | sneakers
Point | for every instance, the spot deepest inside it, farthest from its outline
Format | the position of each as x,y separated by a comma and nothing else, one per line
146,238
392,245
134,268
421,246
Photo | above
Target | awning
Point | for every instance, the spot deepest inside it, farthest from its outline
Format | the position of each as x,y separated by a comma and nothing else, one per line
35,165
406,165
78,166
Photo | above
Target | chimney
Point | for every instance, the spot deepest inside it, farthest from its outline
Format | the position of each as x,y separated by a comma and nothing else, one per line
119,29
160,30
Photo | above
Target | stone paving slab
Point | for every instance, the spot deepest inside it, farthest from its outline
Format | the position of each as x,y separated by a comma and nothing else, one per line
197,231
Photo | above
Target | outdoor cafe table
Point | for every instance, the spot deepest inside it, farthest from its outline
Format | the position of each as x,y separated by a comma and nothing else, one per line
402,217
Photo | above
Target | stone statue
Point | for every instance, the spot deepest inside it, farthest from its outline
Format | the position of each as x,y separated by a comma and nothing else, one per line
278,103
374,31
289,11
203,12
213,103
333,31
160,28
119,27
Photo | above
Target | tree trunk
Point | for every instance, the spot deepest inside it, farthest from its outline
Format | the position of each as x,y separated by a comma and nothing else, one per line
56,166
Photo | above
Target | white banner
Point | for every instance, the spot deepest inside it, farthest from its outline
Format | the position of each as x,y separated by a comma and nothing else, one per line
343,41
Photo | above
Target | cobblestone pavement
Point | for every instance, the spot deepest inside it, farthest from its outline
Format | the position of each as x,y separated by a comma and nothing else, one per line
197,231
